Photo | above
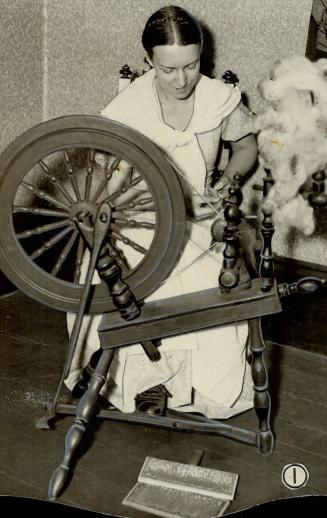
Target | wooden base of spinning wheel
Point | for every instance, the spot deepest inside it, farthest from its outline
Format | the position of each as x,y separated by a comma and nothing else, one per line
196,311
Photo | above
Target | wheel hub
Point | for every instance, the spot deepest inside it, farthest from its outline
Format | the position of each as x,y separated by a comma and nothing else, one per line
83,207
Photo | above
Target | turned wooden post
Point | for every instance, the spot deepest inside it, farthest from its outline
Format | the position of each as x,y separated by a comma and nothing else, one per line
266,268
85,410
125,77
229,275
120,293
262,402
82,385
268,182
318,196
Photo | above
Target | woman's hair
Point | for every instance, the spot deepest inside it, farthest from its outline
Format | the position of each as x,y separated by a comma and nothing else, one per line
169,25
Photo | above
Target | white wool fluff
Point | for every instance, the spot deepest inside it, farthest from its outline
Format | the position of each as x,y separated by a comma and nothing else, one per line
292,136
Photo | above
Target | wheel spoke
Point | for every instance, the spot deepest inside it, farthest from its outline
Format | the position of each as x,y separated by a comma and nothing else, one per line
63,256
43,196
55,182
72,176
124,188
39,211
120,237
43,228
136,180
51,242
139,205
108,175
89,172
133,223
118,255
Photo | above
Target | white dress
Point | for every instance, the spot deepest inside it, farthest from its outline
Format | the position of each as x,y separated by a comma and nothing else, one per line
205,371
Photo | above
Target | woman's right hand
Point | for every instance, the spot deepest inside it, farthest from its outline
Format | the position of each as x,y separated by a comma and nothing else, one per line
206,206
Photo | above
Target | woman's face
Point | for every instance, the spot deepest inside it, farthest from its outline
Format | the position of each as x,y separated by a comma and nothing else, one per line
177,69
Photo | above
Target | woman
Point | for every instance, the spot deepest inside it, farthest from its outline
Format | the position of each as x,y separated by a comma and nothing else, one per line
185,113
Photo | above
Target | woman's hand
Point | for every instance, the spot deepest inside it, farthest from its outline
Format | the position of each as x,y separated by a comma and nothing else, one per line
206,206
221,188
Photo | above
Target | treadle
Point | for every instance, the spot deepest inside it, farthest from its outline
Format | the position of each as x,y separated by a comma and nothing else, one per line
186,313
153,401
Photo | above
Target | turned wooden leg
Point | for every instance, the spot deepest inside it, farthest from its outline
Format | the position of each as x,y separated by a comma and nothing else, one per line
83,383
84,412
262,402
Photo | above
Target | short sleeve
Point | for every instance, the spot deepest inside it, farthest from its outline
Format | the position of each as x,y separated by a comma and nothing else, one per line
238,124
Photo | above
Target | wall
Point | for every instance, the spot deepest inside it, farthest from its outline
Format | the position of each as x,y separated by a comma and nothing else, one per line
21,62
89,40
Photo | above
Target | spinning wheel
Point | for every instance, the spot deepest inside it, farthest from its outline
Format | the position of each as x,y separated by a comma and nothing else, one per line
63,169
82,187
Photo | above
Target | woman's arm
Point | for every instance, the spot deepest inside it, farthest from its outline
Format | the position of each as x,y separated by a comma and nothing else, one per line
242,161
244,157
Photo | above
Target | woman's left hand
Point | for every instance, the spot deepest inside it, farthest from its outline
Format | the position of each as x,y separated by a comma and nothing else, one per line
221,188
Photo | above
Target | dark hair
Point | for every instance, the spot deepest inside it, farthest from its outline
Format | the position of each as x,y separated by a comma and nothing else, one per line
169,25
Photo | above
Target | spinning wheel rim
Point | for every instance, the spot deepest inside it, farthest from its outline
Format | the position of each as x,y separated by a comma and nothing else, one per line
79,131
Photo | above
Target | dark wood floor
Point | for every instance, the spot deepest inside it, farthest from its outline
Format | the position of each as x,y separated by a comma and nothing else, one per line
33,340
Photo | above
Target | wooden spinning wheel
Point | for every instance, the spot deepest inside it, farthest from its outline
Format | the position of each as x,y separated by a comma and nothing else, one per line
66,167
82,185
